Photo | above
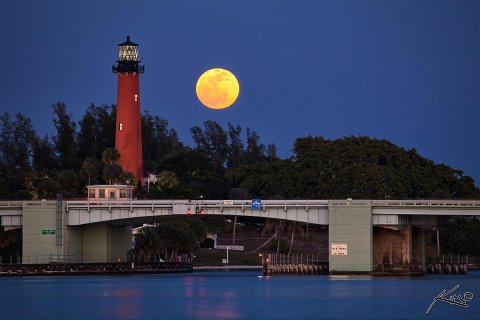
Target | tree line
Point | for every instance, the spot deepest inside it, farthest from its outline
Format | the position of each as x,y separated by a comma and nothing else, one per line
224,163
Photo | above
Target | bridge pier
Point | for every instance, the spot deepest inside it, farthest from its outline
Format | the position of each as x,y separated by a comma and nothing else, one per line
100,242
40,233
350,237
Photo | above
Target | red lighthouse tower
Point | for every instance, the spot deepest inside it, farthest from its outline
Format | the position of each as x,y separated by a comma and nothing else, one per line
128,133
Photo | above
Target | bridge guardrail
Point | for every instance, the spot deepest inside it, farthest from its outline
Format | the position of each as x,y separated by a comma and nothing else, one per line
156,204
85,204
406,203
425,203
19,204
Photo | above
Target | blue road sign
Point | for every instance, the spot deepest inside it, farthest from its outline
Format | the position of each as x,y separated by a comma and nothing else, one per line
256,204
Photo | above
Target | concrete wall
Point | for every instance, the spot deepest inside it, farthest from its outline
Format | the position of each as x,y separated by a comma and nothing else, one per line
120,241
95,243
351,225
39,245
402,246
89,243
392,246
105,243
73,244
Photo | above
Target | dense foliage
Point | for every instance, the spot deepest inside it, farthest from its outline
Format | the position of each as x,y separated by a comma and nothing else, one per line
461,236
169,238
223,163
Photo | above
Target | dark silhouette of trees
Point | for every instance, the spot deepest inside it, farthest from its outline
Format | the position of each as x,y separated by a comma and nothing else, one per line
222,164
97,131
64,141
352,167
170,237
461,236
17,138
159,142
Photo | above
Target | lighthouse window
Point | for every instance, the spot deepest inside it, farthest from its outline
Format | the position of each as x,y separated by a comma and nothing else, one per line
120,126
136,97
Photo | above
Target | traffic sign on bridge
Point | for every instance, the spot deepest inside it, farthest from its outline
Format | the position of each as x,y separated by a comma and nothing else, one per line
256,204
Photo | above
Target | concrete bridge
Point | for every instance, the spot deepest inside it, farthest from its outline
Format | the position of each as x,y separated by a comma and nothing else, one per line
361,232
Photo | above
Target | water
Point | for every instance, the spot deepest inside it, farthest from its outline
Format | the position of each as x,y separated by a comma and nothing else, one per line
234,295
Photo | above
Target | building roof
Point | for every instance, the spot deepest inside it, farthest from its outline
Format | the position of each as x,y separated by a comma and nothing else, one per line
127,43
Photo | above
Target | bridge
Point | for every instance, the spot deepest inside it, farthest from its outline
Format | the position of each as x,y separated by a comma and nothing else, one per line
98,231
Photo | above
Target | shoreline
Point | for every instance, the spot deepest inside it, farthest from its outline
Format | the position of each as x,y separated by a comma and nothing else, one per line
227,268
73,269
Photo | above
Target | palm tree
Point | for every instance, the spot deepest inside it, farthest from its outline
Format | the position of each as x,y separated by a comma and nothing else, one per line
110,156
275,226
234,229
111,171
294,228
148,243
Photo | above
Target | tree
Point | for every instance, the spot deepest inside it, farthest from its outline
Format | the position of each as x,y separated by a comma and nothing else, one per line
16,141
166,181
43,154
127,178
255,150
16,148
158,140
110,156
112,172
97,131
461,236
213,142
196,175
90,169
294,227
170,237
236,150
149,244
271,152
275,226
68,181
64,141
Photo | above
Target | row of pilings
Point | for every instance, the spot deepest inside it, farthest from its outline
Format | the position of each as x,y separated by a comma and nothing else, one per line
447,268
59,269
449,264
279,264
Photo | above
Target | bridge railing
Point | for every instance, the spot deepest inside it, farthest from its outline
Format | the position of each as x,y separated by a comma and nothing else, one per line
244,204
406,203
19,204
425,203
220,204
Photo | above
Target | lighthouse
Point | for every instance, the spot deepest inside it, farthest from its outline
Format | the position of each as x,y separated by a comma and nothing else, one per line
128,132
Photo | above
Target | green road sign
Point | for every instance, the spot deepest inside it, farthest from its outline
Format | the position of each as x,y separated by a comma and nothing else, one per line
48,231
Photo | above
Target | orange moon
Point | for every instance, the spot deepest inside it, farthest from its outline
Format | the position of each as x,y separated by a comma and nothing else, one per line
217,88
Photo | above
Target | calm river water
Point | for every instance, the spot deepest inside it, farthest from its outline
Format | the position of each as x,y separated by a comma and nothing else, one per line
236,295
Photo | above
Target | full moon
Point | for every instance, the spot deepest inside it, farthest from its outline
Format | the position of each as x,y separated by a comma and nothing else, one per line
217,88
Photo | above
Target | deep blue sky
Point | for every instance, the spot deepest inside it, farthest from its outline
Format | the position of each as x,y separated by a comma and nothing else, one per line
406,71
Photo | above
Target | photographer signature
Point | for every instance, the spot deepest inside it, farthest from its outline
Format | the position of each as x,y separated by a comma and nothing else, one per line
453,299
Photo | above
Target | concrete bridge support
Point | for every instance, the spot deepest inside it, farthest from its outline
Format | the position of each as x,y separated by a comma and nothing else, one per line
403,247
350,238
47,238
98,243
42,237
